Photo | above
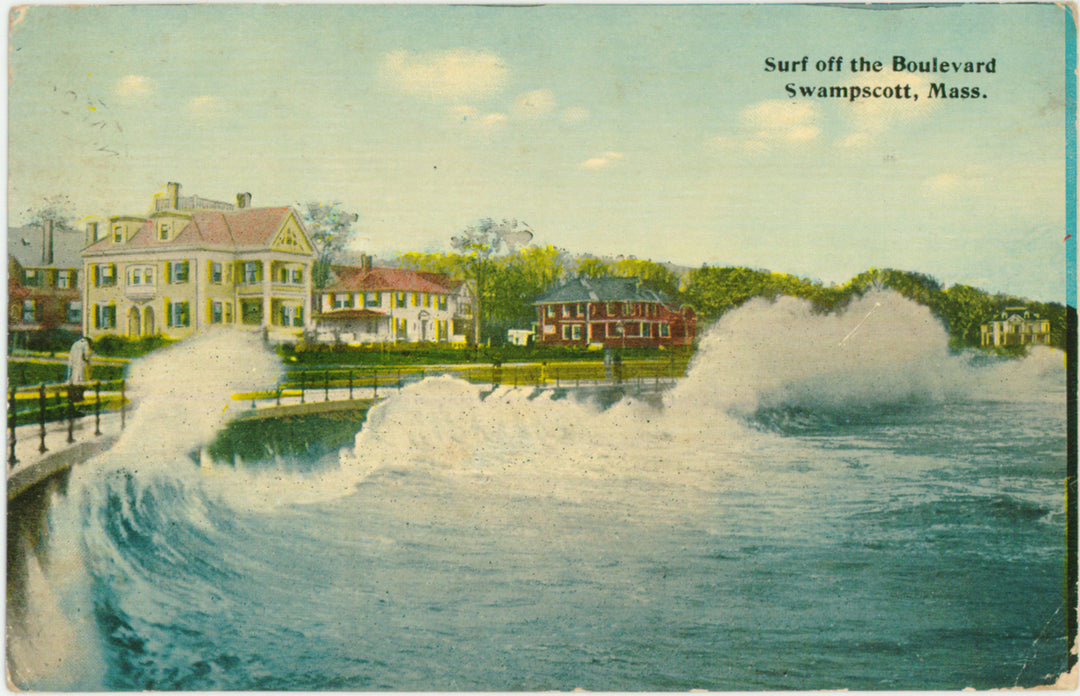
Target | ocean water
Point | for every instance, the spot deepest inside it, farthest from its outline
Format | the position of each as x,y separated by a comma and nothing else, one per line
824,501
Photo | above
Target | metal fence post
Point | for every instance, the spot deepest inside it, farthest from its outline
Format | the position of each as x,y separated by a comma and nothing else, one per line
97,408
326,385
399,379
71,413
375,386
301,387
350,385
123,402
41,415
12,459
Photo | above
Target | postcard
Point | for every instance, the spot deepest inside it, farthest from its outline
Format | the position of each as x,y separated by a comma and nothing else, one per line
613,347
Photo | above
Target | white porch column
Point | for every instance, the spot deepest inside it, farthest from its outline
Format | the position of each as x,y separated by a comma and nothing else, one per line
266,292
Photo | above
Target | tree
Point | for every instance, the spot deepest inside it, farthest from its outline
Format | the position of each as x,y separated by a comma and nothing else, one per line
452,265
653,275
592,267
329,229
59,209
479,245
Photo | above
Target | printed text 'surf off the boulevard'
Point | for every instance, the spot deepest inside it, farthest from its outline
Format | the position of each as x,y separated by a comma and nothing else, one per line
900,64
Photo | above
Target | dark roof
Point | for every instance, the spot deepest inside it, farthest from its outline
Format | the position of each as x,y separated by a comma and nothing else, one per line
24,244
601,290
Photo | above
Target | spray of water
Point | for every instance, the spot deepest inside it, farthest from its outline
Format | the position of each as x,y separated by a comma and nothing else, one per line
144,509
882,350
183,393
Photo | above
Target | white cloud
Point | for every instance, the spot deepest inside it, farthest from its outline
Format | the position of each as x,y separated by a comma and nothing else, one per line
469,115
535,103
605,160
868,119
134,87
575,114
781,122
492,119
454,74
952,184
206,108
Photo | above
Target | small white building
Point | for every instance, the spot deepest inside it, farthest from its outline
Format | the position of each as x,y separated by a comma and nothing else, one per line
518,337
1016,326
366,304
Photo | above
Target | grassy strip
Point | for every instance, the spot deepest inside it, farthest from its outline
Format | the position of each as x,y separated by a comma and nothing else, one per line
23,373
413,354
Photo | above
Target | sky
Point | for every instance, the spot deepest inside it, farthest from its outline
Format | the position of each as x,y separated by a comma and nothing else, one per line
646,131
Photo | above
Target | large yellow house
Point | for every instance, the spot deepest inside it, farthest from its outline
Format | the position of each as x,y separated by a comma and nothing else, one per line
194,263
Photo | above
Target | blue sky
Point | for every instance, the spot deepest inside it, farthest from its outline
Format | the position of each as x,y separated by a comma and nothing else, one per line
651,131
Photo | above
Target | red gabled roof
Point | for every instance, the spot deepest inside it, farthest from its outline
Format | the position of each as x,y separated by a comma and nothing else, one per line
356,279
250,227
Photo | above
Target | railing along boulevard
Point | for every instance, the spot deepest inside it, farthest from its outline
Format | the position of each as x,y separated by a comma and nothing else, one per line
46,403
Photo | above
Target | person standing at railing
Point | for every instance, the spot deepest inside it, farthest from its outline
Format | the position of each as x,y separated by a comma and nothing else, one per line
79,361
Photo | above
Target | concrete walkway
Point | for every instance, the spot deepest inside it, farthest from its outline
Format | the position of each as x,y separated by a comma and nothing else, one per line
34,465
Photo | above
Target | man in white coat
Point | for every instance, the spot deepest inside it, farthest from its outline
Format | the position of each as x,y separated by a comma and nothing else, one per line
79,362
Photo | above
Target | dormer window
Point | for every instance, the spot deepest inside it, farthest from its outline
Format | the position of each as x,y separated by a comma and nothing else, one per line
118,234
163,231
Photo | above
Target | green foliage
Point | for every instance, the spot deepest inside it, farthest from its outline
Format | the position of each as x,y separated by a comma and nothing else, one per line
655,276
961,308
329,229
592,267
714,291
22,373
479,246
452,265
389,355
512,281
54,340
124,347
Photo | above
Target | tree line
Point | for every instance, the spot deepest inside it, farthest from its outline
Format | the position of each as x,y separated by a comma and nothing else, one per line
509,272
508,281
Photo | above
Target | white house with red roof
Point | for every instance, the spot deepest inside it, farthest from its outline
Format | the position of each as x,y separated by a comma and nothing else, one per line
194,263
371,304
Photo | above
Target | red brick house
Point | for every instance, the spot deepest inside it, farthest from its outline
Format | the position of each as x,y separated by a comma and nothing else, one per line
43,280
612,313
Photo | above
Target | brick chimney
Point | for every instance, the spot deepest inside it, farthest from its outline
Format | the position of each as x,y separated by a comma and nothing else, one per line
243,200
91,233
365,262
173,194
47,243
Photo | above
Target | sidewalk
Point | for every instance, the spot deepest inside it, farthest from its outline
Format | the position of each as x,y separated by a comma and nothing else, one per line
34,465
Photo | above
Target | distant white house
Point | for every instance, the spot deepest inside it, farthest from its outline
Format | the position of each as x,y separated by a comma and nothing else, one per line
371,304
1016,326
518,337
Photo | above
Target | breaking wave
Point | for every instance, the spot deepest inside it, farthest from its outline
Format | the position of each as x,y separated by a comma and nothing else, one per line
149,544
